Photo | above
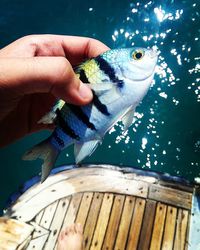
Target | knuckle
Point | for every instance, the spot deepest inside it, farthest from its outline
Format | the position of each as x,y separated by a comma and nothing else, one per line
29,41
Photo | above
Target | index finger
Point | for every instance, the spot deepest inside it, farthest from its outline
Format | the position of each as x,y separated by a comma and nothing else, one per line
78,48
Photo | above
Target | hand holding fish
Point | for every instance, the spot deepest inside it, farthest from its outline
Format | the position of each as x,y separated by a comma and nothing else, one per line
34,72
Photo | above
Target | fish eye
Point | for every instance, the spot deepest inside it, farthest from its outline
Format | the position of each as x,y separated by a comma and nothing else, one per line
138,54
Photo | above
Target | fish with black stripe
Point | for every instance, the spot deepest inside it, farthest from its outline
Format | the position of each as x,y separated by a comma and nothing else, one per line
119,79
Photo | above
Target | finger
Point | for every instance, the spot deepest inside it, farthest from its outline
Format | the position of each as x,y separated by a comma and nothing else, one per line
75,48
42,75
78,49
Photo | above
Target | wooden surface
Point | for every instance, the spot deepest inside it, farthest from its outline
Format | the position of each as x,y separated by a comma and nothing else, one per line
170,226
113,221
125,223
159,223
102,221
136,224
167,195
117,211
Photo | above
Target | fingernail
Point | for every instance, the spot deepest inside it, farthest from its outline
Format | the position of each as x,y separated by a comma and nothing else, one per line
84,91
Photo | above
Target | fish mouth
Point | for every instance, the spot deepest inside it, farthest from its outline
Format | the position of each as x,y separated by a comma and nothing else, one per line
153,54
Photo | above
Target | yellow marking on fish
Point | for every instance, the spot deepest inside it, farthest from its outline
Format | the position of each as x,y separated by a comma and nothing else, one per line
93,72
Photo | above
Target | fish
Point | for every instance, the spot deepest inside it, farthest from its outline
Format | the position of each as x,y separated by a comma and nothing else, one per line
119,80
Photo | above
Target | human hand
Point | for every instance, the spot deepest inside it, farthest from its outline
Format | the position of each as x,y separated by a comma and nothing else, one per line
34,72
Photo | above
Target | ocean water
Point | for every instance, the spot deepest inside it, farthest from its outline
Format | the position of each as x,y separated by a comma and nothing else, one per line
166,134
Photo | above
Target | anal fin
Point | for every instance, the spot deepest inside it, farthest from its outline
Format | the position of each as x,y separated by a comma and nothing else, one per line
128,119
81,150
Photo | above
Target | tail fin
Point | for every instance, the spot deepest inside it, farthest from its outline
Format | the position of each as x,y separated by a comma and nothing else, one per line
46,152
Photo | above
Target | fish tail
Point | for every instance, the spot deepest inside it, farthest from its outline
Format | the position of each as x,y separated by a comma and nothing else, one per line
45,151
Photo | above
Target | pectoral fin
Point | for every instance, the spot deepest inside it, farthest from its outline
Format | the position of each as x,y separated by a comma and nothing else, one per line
50,117
81,150
128,119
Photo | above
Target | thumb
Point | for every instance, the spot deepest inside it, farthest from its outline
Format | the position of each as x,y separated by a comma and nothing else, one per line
43,75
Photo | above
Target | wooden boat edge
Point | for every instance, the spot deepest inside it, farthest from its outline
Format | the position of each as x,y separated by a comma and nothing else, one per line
193,242
161,177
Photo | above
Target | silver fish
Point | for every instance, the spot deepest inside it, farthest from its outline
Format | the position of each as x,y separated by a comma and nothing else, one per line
119,79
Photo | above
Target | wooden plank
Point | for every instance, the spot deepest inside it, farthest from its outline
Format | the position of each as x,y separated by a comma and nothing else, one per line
84,208
181,228
38,230
125,223
48,215
92,219
79,184
109,170
114,221
57,223
102,222
158,229
193,230
187,243
170,196
177,185
45,218
136,224
170,226
38,217
24,244
147,225
83,171
37,243
68,174
72,210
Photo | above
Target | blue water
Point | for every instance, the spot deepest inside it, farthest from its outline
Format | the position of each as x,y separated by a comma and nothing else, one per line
166,134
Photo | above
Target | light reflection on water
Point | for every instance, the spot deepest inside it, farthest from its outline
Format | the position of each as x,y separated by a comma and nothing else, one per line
162,27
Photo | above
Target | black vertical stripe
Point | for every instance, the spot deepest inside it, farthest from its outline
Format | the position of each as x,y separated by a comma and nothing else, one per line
58,139
99,105
83,76
64,126
81,116
109,71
